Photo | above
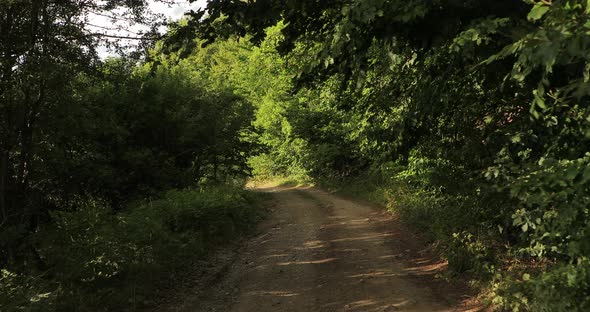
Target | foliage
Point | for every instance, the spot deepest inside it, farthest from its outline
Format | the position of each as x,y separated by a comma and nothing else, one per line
81,139
100,260
563,288
129,133
470,119
26,293
44,47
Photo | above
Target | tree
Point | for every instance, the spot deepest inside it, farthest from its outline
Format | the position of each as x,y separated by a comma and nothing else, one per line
479,106
43,48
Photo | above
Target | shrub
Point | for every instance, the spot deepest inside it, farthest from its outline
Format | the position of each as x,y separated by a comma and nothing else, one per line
103,260
26,293
433,197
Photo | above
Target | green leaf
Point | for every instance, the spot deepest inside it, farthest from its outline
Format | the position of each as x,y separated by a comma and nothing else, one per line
537,12
535,114
526,277
571,173
586,174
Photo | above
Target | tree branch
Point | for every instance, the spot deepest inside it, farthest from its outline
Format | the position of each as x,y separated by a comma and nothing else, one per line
123,36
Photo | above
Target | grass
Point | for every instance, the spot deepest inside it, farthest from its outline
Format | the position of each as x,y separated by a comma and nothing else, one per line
100,260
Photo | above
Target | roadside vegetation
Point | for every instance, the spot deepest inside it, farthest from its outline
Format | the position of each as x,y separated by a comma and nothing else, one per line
115,175
97,260
468,119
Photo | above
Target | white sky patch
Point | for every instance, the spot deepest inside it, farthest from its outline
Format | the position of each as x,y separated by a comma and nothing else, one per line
176,11
103,24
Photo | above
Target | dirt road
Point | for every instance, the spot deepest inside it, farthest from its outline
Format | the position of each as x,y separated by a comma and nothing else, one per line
319,252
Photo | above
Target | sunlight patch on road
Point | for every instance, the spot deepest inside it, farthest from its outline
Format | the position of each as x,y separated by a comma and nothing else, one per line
273,293
360,304
382,273
426,269
275,256
327,260
315,244
368,237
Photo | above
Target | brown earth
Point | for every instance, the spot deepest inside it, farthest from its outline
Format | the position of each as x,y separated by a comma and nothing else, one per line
320,252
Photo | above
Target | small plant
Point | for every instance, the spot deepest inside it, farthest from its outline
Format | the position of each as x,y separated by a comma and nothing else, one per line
465,252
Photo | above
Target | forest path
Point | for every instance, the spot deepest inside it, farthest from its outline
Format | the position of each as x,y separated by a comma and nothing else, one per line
320,252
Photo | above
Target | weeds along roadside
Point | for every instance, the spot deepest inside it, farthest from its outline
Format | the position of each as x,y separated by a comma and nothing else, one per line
116,261
475,228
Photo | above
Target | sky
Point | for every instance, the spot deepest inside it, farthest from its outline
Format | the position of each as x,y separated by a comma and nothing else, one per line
173,12
176,11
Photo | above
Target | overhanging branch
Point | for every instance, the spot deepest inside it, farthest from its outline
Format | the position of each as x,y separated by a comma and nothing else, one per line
123,36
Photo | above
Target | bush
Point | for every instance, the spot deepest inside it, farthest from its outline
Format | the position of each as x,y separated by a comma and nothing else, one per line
564,287
433,197
466,252
26,293
102,260
266,168
551,224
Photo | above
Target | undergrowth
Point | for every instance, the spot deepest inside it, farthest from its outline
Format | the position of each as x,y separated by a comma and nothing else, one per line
98,260
477,228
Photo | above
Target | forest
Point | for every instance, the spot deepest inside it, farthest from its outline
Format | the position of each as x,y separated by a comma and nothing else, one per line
469,120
